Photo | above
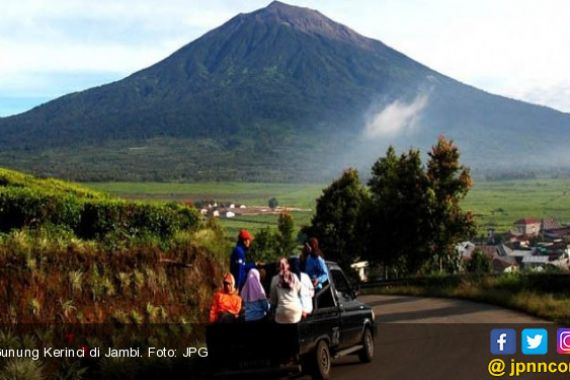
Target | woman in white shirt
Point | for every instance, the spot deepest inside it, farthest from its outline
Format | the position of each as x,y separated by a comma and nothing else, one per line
285,295
307,289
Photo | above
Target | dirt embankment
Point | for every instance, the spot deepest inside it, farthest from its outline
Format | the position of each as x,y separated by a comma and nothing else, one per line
82,283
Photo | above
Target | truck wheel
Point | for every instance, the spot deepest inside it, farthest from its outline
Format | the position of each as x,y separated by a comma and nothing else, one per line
367,352
321,366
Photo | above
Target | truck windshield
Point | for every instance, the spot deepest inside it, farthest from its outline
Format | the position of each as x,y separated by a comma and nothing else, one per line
344,292
325,298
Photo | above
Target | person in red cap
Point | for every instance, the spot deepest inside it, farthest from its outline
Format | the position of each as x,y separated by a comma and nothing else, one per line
238,265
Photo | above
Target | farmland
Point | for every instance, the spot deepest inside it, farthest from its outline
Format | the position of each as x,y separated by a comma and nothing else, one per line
498,203
502,202
251,194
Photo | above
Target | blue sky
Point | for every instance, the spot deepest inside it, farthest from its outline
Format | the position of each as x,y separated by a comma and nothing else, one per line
520,49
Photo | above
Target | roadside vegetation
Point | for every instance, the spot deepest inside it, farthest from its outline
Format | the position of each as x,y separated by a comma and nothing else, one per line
74,257
544,295
62,244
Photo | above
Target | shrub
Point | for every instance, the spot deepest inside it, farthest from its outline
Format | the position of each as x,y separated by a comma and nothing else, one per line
76,281
35,307
21,207
92,217
22,369
479,263
135,219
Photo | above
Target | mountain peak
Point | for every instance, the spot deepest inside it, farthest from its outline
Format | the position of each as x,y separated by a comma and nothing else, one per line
309,21
284,8
278,11
280,5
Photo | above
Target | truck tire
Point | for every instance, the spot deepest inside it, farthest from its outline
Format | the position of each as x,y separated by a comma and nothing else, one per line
320,365
367,353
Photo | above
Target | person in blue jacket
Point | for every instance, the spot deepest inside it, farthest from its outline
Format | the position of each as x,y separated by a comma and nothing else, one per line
315,266
239,267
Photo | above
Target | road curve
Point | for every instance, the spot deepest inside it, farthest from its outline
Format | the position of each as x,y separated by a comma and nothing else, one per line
432,338
403,309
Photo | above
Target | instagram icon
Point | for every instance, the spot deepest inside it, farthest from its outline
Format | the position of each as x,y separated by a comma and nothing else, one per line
563,341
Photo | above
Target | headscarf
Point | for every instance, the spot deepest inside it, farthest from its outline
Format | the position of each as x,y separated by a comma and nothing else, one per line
228,277
252,289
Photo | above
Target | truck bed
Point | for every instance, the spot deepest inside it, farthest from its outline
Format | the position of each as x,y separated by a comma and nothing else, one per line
246,346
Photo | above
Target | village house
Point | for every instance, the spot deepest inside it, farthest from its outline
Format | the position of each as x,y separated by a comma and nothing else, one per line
501,261
541,262
497,254
527,226
557,233
548,224
532,245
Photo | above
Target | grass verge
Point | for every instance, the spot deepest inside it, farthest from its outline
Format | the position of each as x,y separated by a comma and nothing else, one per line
542,295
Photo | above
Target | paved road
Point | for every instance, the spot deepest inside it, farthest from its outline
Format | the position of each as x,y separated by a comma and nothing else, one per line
429,338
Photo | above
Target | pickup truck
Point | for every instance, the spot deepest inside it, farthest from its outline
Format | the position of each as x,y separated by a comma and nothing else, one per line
339,325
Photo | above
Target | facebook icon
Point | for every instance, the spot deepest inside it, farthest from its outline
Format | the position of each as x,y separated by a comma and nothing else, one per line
503,341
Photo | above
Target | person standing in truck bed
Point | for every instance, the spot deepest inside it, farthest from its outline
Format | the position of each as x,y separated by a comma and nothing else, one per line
315,266
307,289
253,296
226,303
285,295
239,267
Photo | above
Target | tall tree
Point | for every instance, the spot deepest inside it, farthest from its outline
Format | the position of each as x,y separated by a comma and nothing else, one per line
415,216
398,230
264,246
284,238
450,182
338,219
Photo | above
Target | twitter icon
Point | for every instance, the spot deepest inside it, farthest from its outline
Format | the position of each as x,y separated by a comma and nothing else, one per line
534,341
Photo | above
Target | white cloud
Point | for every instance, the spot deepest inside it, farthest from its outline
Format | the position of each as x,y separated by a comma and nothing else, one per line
396,118
72,57
556,95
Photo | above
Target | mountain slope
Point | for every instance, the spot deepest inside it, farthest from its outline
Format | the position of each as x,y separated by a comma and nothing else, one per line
283,93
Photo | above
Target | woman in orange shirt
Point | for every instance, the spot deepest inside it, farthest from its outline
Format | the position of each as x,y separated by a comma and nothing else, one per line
226,303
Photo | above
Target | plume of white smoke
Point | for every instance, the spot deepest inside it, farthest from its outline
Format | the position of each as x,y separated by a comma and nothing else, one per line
396,118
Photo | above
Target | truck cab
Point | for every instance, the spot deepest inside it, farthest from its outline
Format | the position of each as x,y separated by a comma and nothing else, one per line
339,325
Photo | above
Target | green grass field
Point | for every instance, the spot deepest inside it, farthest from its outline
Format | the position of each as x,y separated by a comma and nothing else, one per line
502,202
252,194
255,223
257,194
499,203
